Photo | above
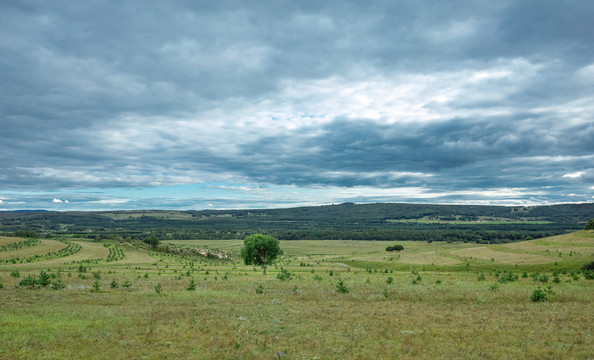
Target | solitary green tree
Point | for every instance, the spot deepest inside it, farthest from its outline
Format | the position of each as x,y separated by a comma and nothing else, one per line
589,225
153,241
260,250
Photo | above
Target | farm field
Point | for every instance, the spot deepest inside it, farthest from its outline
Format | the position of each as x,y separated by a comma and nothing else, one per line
431,300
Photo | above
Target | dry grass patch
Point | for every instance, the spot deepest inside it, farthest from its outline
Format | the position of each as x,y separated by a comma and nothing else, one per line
45,247
533,247
5,240
135,256
88,251
580,238
429,257
502,257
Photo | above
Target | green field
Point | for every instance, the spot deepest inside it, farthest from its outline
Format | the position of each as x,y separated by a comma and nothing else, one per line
428,301
482,220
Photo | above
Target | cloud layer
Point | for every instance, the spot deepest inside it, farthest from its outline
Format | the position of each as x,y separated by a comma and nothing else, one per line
315,102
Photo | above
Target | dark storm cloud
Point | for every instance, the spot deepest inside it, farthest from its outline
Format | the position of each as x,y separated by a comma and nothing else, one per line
482,151
446,95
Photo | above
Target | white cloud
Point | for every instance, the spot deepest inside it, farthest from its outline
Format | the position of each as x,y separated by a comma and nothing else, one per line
57,201
576,174
109,201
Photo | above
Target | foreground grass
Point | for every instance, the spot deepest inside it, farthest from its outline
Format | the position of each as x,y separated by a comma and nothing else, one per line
443,312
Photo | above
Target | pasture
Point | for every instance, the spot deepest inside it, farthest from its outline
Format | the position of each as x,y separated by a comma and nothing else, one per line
431,300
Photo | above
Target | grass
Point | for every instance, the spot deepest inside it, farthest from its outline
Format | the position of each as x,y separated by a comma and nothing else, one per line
446,313
164,215
5,240
46,246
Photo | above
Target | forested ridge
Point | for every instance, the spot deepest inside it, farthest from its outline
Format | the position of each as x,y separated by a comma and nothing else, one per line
384,221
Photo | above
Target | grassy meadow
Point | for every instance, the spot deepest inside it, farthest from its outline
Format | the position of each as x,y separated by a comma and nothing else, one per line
321,300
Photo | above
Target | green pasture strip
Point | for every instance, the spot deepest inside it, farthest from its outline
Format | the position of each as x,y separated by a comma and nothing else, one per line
474,266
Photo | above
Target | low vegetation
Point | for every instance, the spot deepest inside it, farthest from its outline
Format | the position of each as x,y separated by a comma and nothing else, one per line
319,300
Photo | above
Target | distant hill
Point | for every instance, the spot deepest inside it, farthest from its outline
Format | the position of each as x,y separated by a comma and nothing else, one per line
381,221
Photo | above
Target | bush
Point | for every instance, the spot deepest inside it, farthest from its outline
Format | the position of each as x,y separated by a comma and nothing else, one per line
395,248
43,279
589,266
589,225
341,287
191,285
29,280
260,289
158,288
58,284
508,277
538,295
284,275
542,294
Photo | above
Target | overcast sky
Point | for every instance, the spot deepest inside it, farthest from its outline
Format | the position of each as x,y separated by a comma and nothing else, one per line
261,104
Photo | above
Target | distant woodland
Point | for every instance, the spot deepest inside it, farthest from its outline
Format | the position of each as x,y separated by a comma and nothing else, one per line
394,222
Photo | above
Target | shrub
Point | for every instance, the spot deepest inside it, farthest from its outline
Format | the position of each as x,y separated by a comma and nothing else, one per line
481,277
126,284
158,288
284,275
389,280
29,280
538,295
341,287
96,286
15,274
191,285
589,266
395,248
58,284
589,225
589,275
508,277
113,284
43,279
260,289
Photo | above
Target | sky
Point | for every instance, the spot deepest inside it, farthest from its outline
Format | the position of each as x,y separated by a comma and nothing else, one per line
113,105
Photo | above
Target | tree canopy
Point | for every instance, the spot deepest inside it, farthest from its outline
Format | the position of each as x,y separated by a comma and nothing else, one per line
260,250
589,225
